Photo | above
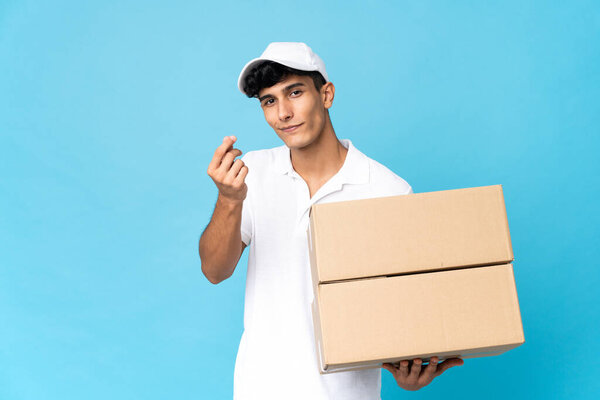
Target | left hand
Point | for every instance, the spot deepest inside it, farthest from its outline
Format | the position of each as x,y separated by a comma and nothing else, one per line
412,378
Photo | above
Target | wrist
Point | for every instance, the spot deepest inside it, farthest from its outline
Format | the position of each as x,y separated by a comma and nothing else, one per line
229,202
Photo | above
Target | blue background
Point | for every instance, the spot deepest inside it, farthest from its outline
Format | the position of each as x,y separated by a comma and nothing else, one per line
110,112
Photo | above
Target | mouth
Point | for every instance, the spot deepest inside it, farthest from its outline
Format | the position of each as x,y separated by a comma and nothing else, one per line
291,128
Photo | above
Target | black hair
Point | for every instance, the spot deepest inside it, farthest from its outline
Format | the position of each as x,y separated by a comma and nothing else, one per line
269,73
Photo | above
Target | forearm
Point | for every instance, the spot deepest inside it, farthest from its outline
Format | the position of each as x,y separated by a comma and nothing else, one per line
221,243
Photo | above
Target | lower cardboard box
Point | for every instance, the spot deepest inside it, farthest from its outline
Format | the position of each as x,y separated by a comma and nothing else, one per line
362,323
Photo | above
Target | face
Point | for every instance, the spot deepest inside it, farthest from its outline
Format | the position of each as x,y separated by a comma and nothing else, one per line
295,110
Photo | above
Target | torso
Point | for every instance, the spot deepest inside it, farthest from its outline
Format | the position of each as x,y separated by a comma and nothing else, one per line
277,312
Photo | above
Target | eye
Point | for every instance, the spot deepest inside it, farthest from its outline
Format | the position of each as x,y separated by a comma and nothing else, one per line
268,102
296,91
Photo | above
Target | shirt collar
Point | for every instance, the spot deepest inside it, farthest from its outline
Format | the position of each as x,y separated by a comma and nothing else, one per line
355,169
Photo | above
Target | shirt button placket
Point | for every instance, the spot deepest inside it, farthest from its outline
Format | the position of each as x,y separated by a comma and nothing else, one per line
303,201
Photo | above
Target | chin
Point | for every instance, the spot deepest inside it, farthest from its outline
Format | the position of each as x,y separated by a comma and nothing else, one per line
298,140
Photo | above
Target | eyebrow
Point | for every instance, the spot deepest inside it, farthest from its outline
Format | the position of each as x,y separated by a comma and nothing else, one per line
285,89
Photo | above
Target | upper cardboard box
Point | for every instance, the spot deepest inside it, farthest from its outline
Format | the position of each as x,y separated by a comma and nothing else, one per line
411,233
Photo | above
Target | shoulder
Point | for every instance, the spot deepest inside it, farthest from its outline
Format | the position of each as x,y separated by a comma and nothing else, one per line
264,162
380,172
262,157
385,179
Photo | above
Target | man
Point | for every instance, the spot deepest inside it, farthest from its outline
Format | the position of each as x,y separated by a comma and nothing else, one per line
264,201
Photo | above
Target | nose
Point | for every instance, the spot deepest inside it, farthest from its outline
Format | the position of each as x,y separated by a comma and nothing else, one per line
285,111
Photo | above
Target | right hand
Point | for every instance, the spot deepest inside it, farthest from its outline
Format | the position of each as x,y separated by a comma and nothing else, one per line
229,175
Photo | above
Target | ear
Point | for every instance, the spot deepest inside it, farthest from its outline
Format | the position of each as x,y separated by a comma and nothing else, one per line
327,94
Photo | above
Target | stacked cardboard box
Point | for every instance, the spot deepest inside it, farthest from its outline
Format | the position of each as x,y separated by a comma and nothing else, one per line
422,275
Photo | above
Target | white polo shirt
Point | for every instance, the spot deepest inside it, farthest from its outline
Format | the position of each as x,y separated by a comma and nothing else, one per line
277,358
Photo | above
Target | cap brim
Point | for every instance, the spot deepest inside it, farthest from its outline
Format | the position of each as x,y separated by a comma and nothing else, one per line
256,61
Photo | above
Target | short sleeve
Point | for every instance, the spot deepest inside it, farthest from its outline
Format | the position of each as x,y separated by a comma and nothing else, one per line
247,218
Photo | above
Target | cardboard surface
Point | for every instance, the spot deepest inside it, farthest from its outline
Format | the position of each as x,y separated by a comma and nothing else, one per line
467,312
407,234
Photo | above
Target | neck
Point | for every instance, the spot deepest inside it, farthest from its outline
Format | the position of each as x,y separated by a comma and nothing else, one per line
322,159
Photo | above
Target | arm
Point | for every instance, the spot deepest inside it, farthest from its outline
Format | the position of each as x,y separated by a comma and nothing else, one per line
220,246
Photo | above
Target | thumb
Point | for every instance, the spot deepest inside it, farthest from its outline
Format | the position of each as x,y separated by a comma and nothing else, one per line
388,367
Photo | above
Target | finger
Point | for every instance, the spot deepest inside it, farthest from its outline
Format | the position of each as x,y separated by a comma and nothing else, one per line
403,368
220,152
449,363
415,370
429,372
242,175
234,170
228,159
389,367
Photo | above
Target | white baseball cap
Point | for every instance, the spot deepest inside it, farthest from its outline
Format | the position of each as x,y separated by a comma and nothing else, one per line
295,55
